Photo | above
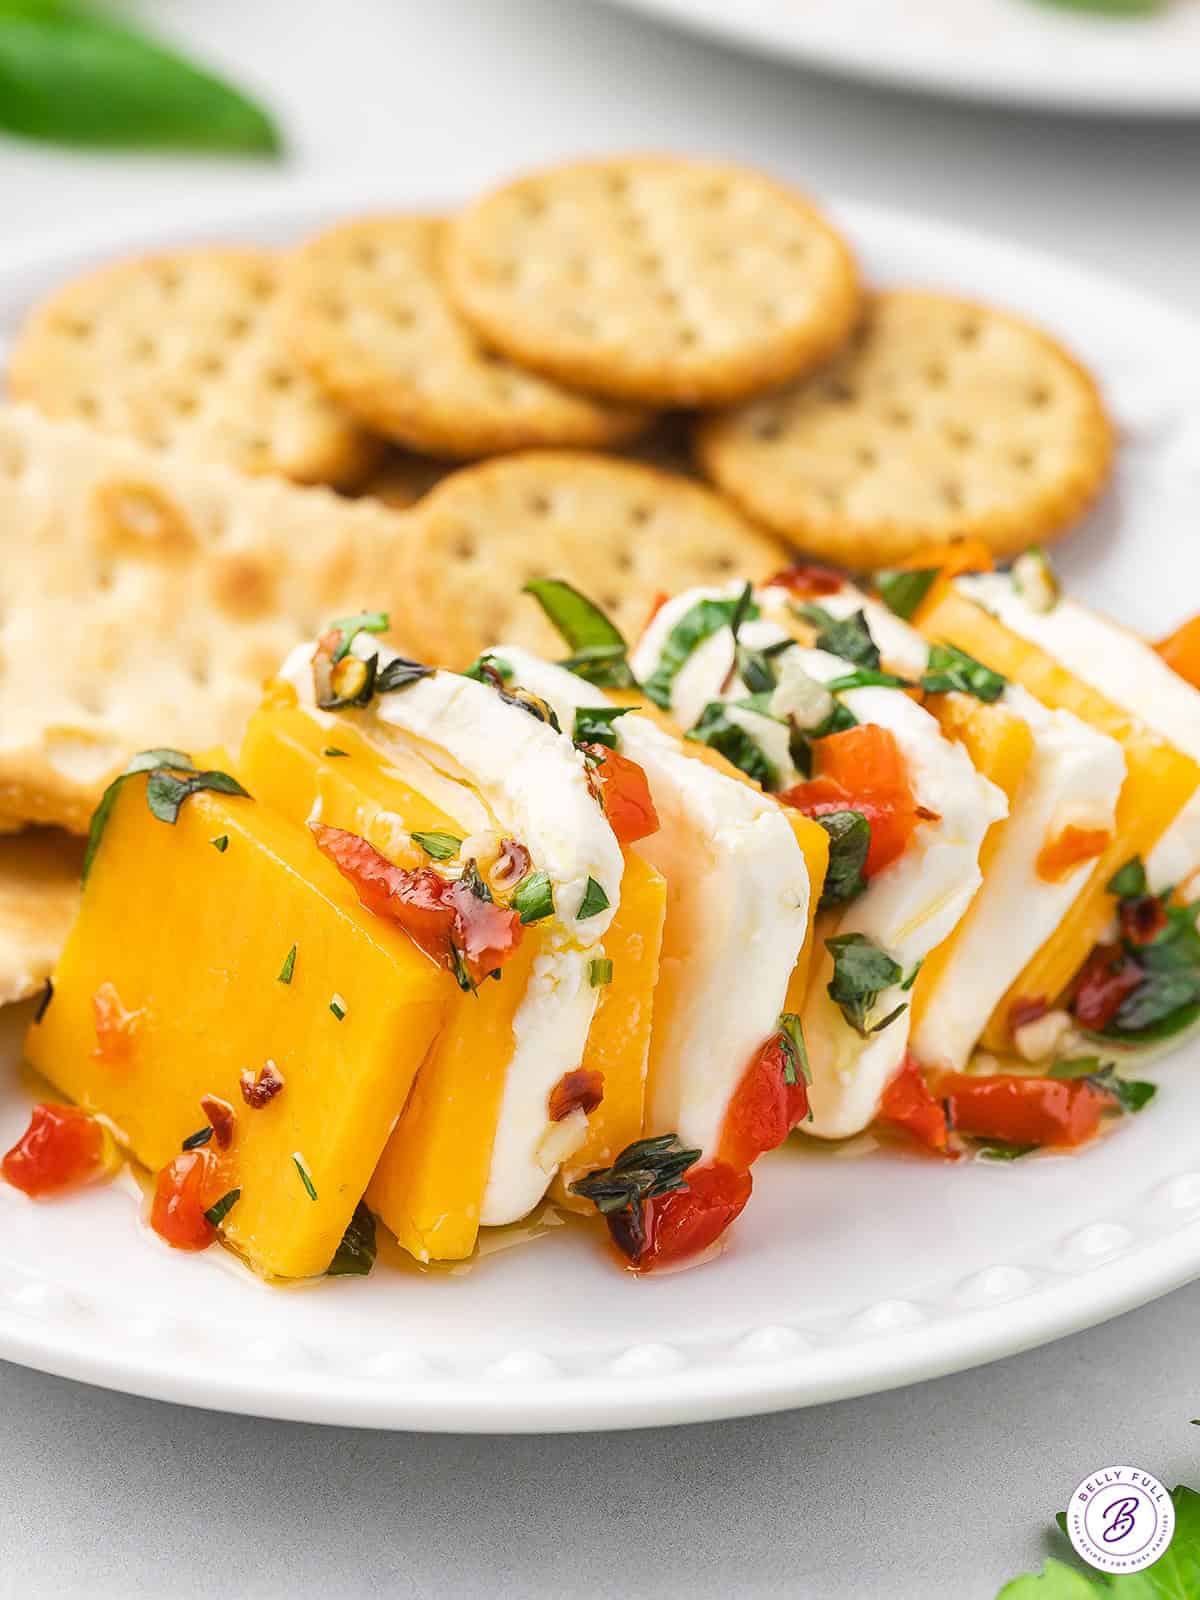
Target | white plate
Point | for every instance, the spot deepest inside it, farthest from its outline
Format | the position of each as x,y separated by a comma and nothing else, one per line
1016,51
845,1275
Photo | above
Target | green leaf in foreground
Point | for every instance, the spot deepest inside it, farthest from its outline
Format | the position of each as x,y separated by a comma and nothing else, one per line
902,592
861,972
355,1256
849,842
144,761
166,791
1174,1576
951,669
716,729
72,75
594,724
698,623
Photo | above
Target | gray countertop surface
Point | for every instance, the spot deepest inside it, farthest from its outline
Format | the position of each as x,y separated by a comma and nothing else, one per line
941,1490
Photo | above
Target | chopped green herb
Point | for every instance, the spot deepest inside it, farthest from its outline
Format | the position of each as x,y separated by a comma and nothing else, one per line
861,973
533,898
1082,1067
351,627
462,976
795,1051
646,1168
1129,881
289,966
298,1161
849,843
696,625
1161,1007
332,751
217,1213
598,650
912,976
399,673
533,705
868,678
195,1140
600,971
716,729
1001,1149
439,846
848,637
487,667
756,668
44,1000
902,592
350,683
952,669
594,901
146,761
165,792
472,879
355,1256
220,843
594,724
1130,1094
338,1006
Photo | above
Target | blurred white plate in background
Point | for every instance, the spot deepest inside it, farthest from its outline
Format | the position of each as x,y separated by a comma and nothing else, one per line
1024,52
845,1275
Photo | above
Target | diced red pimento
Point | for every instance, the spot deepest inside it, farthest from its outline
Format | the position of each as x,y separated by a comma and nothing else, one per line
580,1090
1181,651
1024,1110
1142,918
765,1107
909,1103
624,793
669,1228
656,605
808,580
188,1186
61,1148
862,769
1108,978
443,917
1060,856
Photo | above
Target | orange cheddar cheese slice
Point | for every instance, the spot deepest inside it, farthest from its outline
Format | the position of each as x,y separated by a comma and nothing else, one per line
1159,781
189,942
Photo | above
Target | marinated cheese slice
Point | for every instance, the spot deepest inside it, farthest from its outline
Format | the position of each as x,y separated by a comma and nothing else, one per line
188,941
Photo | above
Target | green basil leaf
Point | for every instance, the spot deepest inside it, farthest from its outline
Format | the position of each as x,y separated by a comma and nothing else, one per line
953,669
482,668
351,627
715,730
594,901
861,972
849,841
144,761
75,76
598,649
902,592
848,637
696,625
1128,881
868,678
1166,1004
398,674
533,898
594,724
355,1256
165,793
438,846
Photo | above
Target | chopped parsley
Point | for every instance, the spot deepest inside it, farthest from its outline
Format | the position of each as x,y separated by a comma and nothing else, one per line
165,791
338,1006
298,1162
487,668
795,1051
355,1256
594,901
1128,881
598,650
351,627
848,637
195,1140
950,668
594,724
849,842
332,751
600,972
902,592
438,846
698,623
289,966
533,898
861,973
220,843
646,1168
217,1213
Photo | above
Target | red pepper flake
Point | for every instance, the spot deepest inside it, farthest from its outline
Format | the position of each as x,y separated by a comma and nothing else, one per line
220,1115
1109,976
510,866
1142,919
116,1027
583,1088
926,815
258,1090
1026,1009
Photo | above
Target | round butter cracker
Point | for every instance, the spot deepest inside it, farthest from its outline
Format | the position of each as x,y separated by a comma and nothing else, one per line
654,280
942,418
365,310
621,532
183,351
